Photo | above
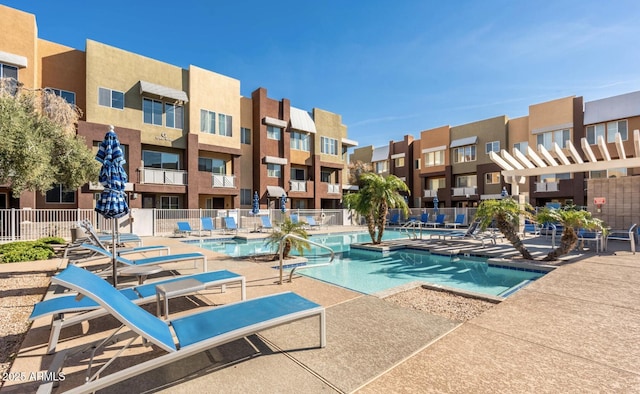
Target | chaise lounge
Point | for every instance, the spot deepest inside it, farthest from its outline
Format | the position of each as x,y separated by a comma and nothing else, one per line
223,324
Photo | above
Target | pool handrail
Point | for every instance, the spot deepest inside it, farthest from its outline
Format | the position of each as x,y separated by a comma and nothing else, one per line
281,251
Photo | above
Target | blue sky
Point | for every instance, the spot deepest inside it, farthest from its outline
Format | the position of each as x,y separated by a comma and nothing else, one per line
389,68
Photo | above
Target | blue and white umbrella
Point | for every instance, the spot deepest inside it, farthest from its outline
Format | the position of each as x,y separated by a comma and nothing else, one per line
504,192
255,208
435,204
283,203
112,203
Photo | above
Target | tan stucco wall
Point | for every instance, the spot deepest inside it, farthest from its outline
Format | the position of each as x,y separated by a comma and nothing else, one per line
120,70
246,163
363,154
63,68
329,125
488,130
440,136
551,113
217,93
19,37
518,132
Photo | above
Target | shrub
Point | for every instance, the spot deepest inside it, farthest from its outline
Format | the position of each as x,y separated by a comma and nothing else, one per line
25,251
53,240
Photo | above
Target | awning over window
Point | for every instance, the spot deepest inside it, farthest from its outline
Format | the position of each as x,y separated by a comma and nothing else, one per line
434,149
163,91
348,142
398,156
14,60
301,120
275,160
274,122
275,191
612,108
464,141
380,154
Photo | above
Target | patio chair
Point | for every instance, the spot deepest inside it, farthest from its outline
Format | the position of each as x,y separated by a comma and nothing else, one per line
108,238
585,235
206,224
394,220
230,225
624,235
157,260
458,222
439,220
184,228
194,333
294,219
532,228
424,218
312,223
85,308
266,223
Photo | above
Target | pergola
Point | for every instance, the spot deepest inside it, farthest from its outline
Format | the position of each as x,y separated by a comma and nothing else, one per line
517,167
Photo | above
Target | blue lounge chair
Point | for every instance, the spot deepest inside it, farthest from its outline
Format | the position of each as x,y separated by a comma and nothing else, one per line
531,228
194,333
312,222
206,224
184,228
170,258
266,223
624,235
424,218
294,219
439,220
230,224
394,220
70,303
458,222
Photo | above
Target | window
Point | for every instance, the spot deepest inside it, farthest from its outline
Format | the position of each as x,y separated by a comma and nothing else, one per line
608,133
274,133
436,183
215,166
169,202
274,170
175,115
152,111
298,204
297,174
245,135
554,177
521,146
464,154
165,160
381,166
225,125
207,121
7,71
326,176
493,146
399,162
417,164
300,141
560,137
60,195
492,178
110,98
434,158
245,197
70,97
329,146
466,181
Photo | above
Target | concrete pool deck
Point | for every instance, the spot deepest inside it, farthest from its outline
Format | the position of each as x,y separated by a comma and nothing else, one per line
574,330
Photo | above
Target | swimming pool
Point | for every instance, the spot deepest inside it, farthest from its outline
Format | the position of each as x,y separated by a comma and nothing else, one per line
371,272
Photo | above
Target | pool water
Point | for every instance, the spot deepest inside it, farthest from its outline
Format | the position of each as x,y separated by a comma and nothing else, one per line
370,272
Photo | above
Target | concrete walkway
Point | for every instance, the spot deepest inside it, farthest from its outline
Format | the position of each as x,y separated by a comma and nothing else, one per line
575,330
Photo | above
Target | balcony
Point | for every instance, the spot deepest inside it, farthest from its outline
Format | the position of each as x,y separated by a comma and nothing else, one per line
223,181
164,177
430,193
298,186
333,188
464,191
542,187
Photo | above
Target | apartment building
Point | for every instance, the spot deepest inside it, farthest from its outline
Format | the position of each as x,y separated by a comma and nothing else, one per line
190,139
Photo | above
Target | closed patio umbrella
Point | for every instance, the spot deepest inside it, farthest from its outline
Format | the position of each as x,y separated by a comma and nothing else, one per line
435,204
112,203
504,192
283,203
255,208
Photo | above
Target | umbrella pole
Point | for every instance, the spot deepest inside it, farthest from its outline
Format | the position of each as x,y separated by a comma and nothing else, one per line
114,234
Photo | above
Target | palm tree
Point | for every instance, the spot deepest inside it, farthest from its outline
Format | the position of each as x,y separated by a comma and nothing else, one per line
374,198
506,214
289,227
571,219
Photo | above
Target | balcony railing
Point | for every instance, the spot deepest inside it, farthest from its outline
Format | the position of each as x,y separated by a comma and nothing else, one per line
547,186
224,180
333,188
164,177
464,191
430,193
298,186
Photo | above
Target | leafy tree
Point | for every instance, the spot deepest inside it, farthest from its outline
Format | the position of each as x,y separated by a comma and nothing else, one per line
289,227
374,198
39,145
505,214
356,169
571,219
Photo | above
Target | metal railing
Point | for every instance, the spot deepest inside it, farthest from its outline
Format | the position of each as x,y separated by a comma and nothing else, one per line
223,180
281,252
164,177
298,186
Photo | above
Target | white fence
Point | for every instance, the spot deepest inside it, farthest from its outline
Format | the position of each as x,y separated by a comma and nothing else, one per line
32,224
